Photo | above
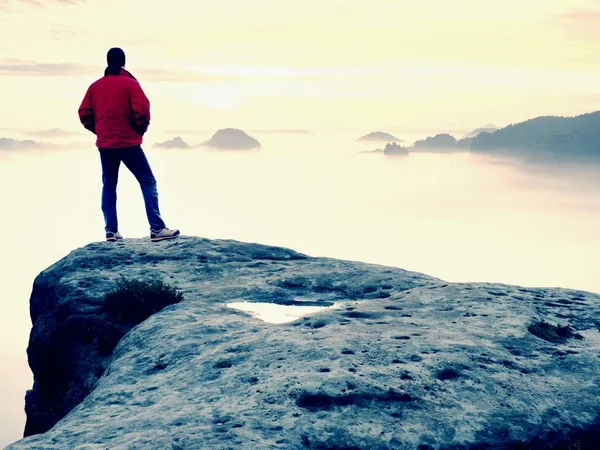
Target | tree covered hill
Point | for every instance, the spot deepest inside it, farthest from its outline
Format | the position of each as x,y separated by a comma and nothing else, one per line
549,137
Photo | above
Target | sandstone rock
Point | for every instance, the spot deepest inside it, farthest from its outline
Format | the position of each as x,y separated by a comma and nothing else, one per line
406,361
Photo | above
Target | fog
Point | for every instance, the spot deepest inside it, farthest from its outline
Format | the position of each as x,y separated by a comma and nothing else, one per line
456,216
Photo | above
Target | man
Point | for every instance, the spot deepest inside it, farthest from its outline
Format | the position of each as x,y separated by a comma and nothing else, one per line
117,111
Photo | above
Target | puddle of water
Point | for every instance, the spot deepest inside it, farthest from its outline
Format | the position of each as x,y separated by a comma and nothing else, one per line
272,313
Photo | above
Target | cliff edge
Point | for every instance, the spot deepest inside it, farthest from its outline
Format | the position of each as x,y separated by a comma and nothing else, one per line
403,360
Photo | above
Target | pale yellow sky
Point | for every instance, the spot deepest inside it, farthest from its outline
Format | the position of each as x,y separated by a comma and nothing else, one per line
429,64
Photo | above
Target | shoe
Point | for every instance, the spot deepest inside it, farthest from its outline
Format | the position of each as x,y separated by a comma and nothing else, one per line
165,233
112,236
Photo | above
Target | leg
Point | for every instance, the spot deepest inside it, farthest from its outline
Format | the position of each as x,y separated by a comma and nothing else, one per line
110,160
135,160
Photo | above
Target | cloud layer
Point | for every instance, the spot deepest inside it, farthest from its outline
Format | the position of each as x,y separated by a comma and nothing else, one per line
22,67
16,144
51,133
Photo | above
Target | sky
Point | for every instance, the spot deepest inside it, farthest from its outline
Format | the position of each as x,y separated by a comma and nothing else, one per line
316,64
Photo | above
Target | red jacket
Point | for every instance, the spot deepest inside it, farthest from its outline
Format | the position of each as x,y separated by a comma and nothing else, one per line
116,110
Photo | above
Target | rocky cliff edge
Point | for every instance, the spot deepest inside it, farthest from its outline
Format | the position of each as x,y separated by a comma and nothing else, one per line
403,361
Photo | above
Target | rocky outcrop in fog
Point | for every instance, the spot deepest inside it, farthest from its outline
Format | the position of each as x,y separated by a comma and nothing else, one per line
379,136
176,142
232,139
395,149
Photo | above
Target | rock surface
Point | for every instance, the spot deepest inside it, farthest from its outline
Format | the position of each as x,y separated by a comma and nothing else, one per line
232,139
406,361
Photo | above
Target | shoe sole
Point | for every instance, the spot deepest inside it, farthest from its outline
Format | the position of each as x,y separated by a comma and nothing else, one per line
113,239
163,238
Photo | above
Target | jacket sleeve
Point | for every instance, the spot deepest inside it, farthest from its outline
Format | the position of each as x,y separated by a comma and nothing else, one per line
140,106
86,112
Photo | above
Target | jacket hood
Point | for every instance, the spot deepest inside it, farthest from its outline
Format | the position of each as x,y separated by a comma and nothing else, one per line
112,70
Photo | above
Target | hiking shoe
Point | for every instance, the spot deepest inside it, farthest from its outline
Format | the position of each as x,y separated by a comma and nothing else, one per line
165,233
112,236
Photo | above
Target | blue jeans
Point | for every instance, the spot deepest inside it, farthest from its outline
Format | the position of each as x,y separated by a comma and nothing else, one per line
135,160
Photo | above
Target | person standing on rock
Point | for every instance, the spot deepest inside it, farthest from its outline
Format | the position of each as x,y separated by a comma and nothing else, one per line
117,111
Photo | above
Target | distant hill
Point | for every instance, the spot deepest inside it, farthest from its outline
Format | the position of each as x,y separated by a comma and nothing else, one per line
486,129
281,131
379,136
433,144
52,133
16,144
545,138
232,139
391,148
395,149
176,142
440,143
